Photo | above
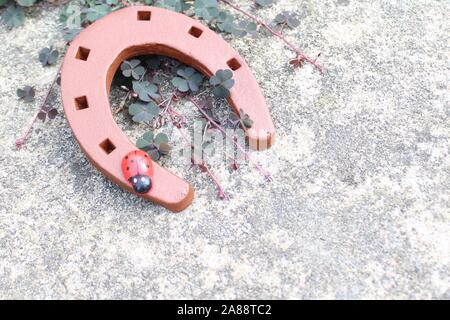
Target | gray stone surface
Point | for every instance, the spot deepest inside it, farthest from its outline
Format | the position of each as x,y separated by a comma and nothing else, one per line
359,205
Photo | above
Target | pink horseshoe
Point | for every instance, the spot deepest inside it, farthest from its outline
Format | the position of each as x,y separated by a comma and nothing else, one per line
92,60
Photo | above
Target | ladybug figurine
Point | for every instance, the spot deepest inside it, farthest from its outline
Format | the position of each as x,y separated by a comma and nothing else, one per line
137,168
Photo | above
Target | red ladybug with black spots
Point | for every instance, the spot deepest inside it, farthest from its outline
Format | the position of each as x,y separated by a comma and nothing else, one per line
137,168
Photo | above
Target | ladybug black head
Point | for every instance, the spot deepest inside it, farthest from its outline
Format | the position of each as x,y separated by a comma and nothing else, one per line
141,183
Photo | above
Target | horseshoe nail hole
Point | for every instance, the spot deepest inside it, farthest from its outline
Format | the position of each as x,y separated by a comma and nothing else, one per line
234,64
81,103
144,15
107,146
195,32
82,53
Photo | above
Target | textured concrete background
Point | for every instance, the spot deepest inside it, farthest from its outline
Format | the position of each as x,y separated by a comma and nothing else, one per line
359,207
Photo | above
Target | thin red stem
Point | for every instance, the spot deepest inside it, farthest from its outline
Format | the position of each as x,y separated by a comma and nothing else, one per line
22,140
300,55
220,191
266,174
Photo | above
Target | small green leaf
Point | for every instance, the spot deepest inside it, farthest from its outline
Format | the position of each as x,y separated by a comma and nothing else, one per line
222,82
70,16
248,123
244,28
52,113
146,141
161,138
174,5
143,112
206,9
154,146
154,154
221,92
27,93
242,118
287,18
225,22
181,84
96,12
188,79
45,112
145,90
70,34
13,16
132,68
48,56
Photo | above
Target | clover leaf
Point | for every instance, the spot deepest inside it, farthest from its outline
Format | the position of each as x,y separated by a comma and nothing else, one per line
132,68
206,9
72,17
47,111
287,18
145,90
160,139
222,82
146,141
174,5
13,16
244,28
225,22
143,112
27,93
154,146
188,79
96,12
48,56
70,34
242,118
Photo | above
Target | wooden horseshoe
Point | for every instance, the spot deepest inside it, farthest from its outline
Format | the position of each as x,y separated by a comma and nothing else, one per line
95,55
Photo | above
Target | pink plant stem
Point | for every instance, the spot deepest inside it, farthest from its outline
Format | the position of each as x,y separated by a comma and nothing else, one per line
22,140
300,55
266,174
220,191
